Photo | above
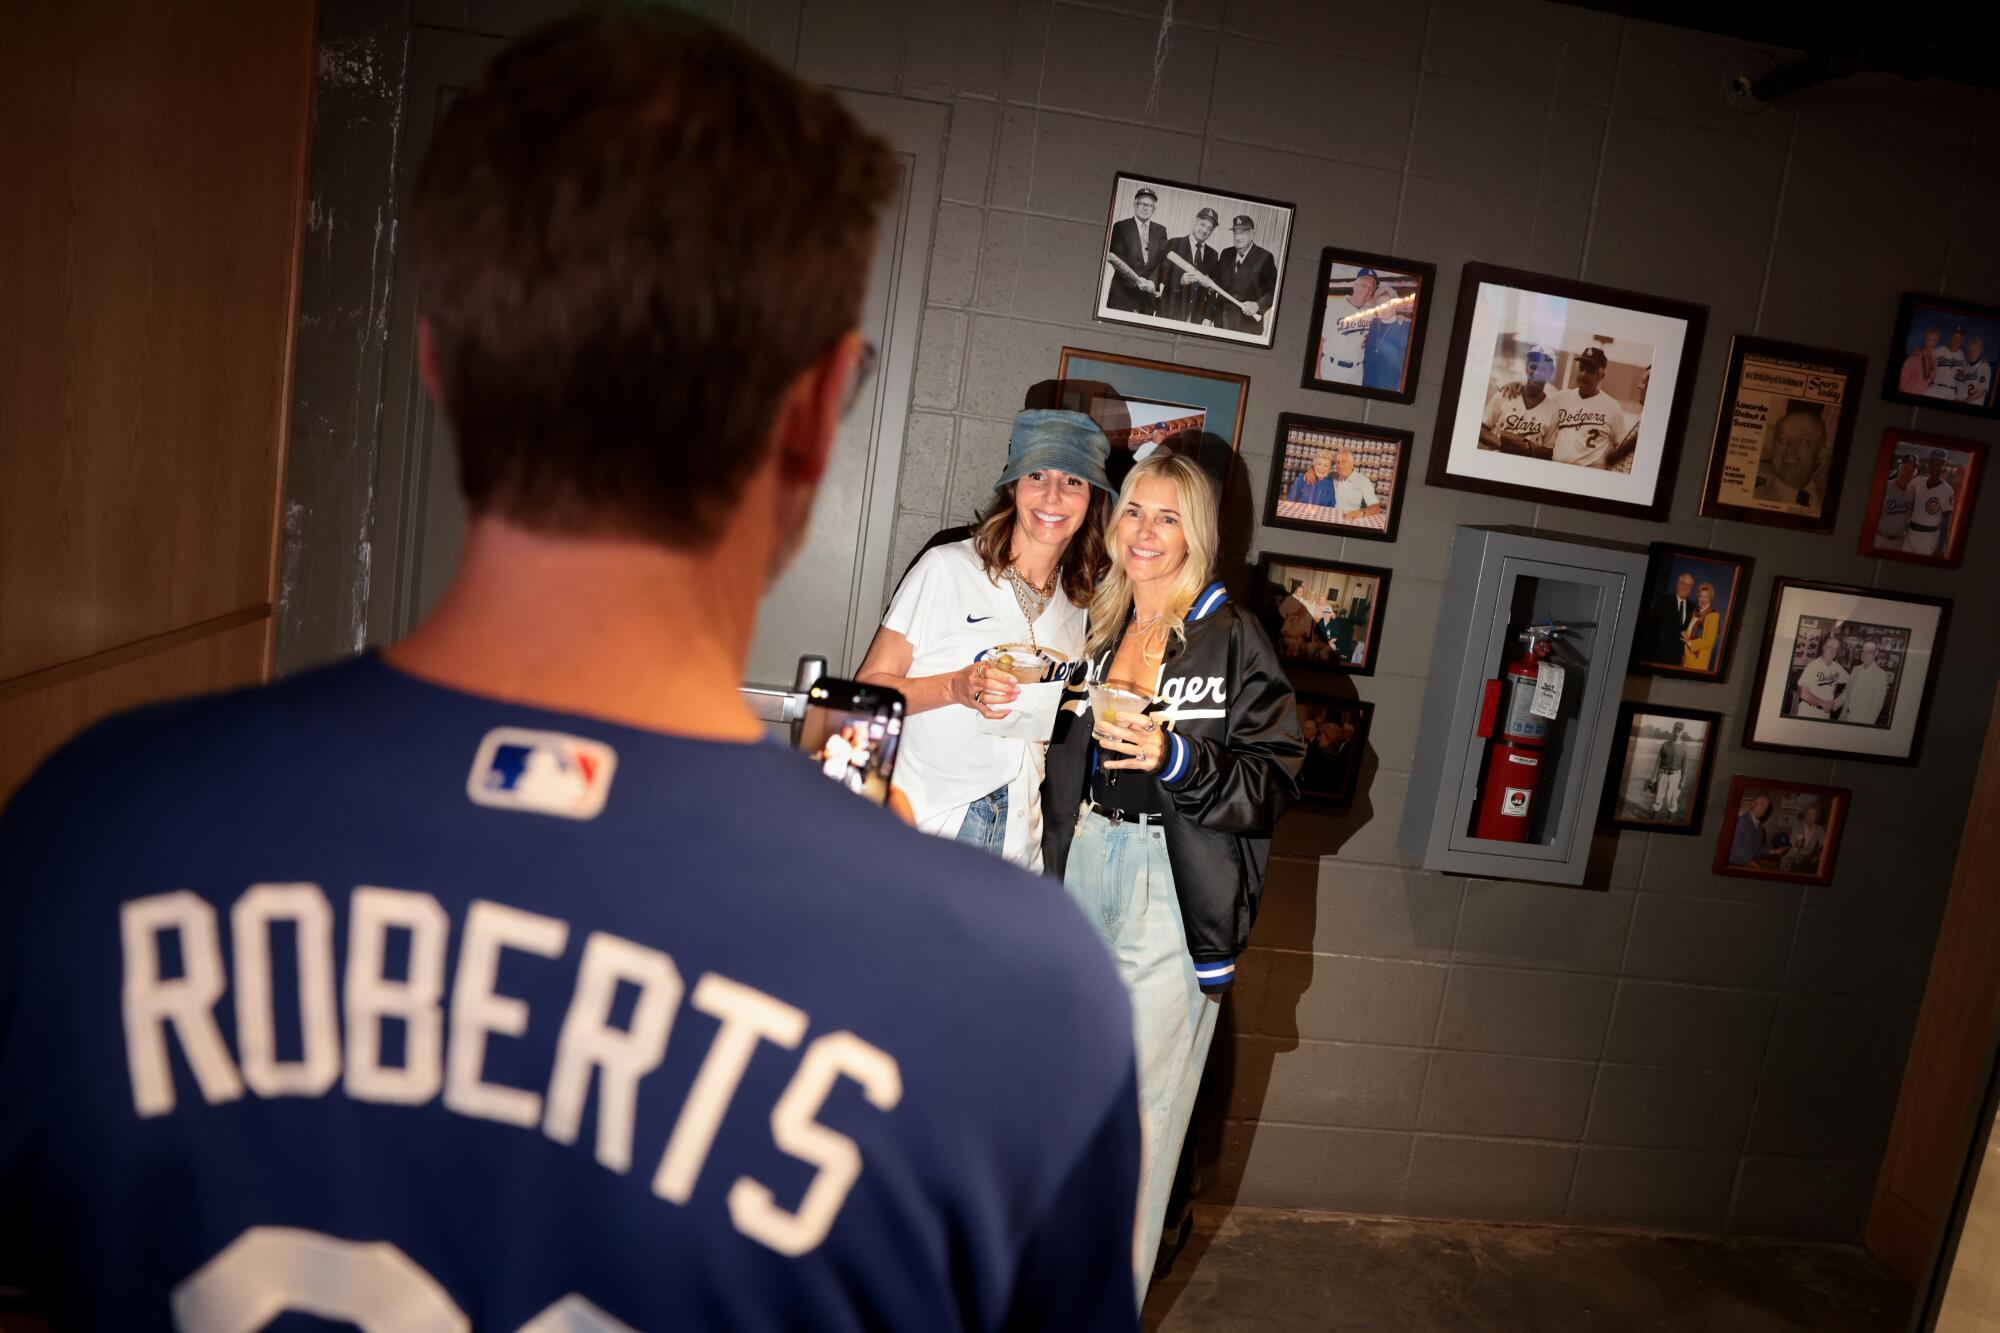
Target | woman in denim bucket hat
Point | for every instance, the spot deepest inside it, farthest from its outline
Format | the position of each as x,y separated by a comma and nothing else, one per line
1024,576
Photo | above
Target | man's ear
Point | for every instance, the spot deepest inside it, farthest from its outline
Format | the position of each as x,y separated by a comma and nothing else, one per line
427,360
810,417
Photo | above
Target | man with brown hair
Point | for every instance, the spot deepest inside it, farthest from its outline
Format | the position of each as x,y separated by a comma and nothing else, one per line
511,978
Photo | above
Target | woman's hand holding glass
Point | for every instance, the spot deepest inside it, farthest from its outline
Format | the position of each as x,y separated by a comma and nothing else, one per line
1140,739
981,686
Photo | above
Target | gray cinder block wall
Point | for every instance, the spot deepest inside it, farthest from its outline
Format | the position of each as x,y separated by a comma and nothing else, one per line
1664,1048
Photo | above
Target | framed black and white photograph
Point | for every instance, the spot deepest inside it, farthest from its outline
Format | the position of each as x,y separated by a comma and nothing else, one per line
1368,320
1338,477
1920,507
1687,624
1845,671
1563,392
1660,784
1774,829
1782,434
1323,613
1190,260
1942,355
1336,737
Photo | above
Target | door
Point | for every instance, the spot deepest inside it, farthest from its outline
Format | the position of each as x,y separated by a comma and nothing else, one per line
828,602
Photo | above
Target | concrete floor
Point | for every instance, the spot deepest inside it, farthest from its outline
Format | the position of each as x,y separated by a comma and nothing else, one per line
1273,1272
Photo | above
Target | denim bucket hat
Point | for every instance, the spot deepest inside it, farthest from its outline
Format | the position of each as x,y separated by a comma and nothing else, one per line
1067,441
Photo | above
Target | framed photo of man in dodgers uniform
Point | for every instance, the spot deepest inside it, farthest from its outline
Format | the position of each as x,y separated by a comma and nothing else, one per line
1369,316
1845,671
1920,507
1564,392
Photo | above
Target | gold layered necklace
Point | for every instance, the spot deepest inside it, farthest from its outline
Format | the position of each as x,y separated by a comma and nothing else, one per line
1033,601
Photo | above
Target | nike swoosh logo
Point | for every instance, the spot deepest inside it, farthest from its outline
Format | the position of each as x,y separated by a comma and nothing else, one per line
974,620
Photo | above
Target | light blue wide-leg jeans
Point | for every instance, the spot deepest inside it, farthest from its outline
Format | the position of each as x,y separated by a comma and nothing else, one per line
1118,873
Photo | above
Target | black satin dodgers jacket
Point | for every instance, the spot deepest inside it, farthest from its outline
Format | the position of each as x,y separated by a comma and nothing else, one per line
1230,770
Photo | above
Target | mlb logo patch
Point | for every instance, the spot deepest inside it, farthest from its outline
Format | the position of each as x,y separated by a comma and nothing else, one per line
544,772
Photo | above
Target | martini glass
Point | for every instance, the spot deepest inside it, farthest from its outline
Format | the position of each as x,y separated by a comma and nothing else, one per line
1118,701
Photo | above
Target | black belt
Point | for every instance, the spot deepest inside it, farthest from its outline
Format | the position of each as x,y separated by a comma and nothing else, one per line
1121,817
1921,528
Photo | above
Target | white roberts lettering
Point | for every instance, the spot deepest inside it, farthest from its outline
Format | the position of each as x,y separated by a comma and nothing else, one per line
588,1044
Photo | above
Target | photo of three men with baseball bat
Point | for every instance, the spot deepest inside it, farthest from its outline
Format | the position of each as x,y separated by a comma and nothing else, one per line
1166,264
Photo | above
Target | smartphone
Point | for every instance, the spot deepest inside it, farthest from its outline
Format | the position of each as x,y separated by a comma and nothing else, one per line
851,731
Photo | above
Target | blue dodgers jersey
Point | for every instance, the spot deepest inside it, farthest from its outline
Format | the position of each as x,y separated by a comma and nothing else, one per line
360,999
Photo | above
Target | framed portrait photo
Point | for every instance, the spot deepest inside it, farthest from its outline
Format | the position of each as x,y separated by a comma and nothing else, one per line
1143,404
1920,507
1687,624
1337,477
1773,829
1190,260
1660,784
1942,355
1322,614
1368,320
1336,736
1566,393
1781,435
1845,671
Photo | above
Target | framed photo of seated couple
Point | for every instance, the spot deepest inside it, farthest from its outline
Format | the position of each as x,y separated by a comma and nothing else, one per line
1564,392
1687,623
1846,672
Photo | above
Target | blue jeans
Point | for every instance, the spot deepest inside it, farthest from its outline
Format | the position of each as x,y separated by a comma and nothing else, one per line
1118,873
985,825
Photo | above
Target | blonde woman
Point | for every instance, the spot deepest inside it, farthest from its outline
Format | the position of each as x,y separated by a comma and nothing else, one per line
1160,826
1698,639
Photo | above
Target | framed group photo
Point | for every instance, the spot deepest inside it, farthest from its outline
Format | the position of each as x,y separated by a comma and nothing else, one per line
1845,671
1322,614
1341,478
1185,259
1780,830
1666,755
1369,316
1920,507
1942,355
1563,392
1782,434
1143,404
1687,625
1336,736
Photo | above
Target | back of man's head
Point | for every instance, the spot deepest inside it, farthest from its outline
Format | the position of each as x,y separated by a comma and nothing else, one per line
631,238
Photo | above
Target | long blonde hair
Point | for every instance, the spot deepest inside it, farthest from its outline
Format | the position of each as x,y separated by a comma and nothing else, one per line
1111,604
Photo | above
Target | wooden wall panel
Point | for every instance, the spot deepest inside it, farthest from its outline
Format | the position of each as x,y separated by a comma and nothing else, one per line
154,164
154,156
1944,1080
37,721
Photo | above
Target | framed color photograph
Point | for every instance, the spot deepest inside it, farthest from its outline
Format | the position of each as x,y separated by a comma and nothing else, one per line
1322,614
1566,393
1368,320
1781,436
1143,404
1845,671
1660,784
1688,623
1942,355
1920,507
1336,735
1189,260
1337,477
1772,829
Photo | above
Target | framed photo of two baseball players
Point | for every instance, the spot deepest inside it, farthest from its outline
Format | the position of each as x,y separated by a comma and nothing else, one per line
1564,392
1184,259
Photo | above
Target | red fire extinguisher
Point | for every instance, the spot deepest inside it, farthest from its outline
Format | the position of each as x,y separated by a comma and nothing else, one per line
1520,738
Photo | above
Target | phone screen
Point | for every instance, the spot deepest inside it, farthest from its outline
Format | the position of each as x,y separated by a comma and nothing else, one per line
851,731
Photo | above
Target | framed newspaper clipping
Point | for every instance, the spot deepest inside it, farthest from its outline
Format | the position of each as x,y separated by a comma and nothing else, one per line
1782,433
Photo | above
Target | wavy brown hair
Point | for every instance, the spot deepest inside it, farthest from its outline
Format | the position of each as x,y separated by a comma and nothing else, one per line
1084,560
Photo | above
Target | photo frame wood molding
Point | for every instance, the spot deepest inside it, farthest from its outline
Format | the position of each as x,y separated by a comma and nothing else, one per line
1413,354
1899,339
1476,275
1630,709
1402,440
1895,438
1377,610
1125,183
1836,804
1659,555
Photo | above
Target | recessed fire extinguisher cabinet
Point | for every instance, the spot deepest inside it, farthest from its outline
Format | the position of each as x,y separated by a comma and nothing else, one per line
1508,746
